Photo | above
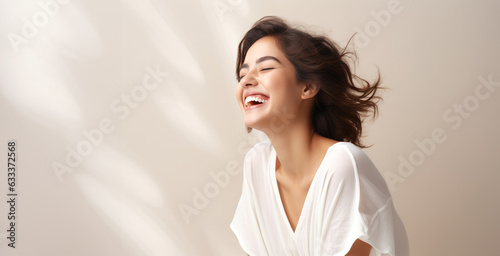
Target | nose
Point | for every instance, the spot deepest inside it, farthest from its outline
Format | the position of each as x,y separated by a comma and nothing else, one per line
248,80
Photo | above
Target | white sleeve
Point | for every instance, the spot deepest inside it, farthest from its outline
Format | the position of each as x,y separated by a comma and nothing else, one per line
245,224
359,206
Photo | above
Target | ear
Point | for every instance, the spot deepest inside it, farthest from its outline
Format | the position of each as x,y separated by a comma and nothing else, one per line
309,90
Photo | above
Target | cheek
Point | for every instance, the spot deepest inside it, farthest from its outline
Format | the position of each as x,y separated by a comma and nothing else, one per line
282,88
280,80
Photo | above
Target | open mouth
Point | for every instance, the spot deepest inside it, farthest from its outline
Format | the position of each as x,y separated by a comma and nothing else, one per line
255,101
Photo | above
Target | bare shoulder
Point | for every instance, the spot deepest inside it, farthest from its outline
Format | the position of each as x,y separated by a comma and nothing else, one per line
359,248
324,142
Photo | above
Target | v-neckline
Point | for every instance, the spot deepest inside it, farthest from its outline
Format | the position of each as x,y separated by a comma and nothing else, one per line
272,171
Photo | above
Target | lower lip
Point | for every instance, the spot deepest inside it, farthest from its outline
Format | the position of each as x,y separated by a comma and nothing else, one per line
255,106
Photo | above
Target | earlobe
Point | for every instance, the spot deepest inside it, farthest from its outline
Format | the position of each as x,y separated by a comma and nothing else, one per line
310,90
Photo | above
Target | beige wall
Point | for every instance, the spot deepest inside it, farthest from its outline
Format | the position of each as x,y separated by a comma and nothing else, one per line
152,83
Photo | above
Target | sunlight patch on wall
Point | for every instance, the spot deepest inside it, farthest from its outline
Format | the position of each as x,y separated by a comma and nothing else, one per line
114,168
186,118
39,88
166,41
140,227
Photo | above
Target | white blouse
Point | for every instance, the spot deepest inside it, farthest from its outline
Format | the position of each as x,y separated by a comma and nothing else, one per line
348,199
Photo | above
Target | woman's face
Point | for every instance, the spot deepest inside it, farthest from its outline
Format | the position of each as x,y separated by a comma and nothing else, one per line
268,92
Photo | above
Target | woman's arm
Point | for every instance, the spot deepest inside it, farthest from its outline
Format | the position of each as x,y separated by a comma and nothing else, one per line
359,248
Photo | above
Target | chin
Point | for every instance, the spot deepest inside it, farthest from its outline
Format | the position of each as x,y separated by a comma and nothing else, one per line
250,124
254,124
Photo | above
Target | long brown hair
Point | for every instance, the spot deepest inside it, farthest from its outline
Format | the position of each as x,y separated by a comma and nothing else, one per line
340,106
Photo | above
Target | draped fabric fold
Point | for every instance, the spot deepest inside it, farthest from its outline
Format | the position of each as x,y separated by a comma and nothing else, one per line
348,199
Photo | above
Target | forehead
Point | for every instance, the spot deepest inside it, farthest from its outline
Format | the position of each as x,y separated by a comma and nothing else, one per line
266,46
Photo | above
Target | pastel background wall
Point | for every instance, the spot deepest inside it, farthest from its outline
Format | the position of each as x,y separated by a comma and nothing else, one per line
129,140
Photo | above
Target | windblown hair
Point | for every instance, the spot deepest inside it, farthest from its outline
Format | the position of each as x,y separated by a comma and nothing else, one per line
340,106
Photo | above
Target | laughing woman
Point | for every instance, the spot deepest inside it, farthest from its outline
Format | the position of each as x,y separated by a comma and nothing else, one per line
310,189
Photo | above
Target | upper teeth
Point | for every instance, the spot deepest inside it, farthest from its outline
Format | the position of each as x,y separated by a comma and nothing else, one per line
251,98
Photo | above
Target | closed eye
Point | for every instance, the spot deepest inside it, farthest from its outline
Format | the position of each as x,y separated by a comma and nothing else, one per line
264,69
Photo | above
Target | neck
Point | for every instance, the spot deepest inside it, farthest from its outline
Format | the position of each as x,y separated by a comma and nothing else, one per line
296,146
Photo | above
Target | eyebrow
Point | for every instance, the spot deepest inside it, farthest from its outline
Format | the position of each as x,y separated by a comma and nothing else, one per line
261,59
